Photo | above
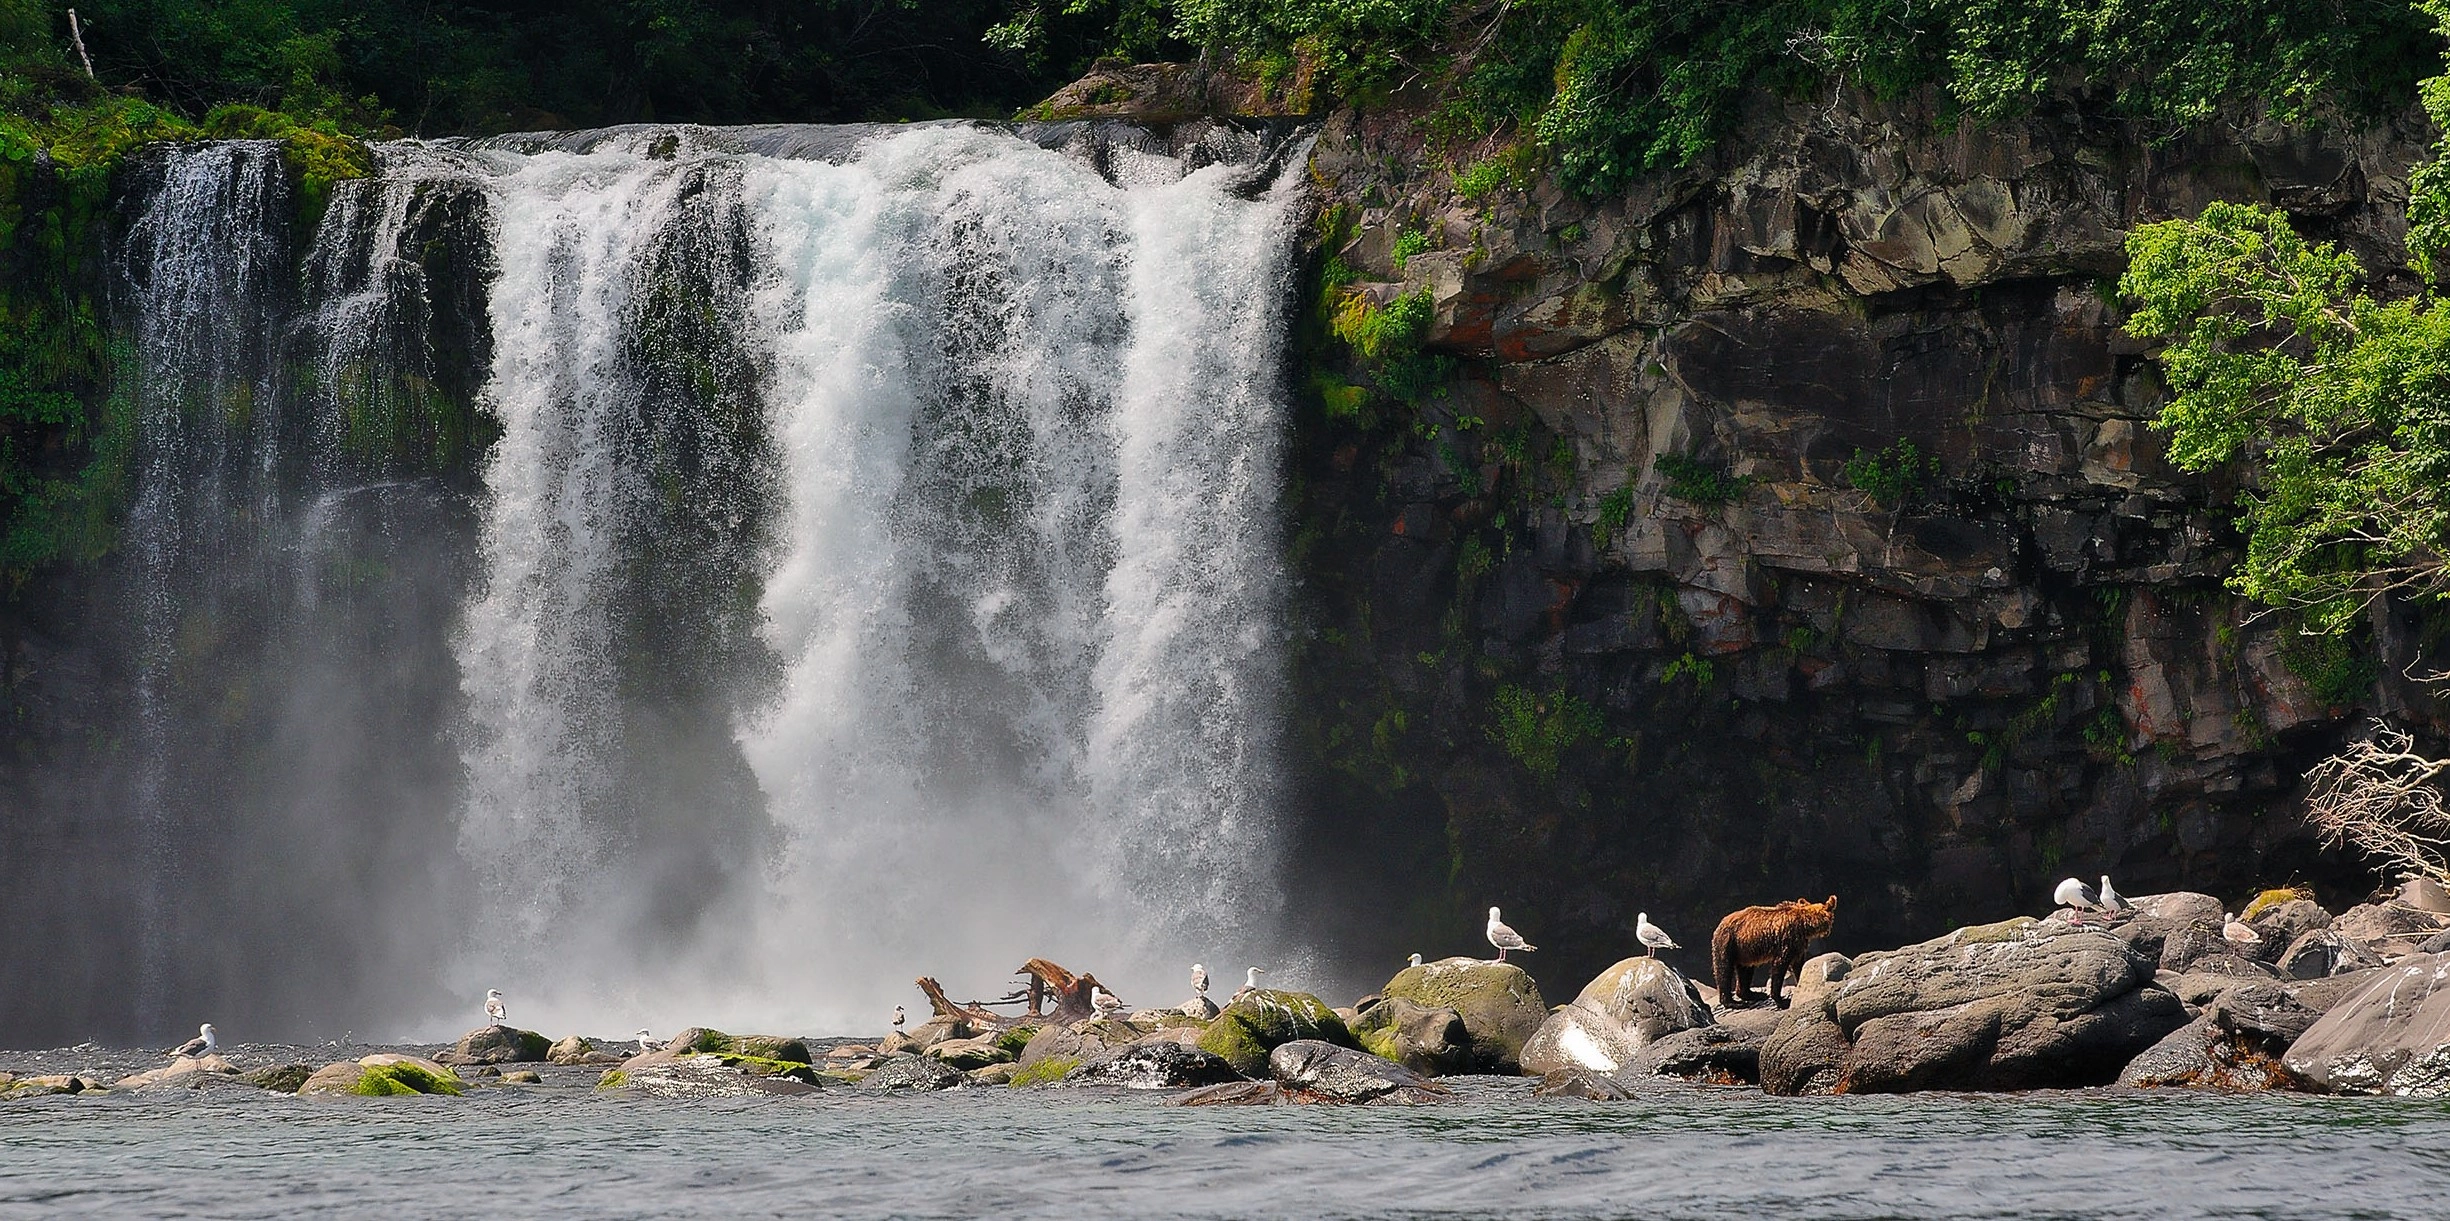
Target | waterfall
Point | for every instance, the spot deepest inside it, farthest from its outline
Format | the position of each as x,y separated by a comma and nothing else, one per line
959,503
683,575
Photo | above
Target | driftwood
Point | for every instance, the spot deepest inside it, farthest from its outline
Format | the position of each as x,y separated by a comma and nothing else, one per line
1073,997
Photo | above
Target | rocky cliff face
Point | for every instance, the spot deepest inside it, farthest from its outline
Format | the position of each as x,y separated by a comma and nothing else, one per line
1551,668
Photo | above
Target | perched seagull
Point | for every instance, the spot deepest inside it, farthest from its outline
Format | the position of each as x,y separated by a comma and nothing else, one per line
1250,983
494,1008
899,1017
1504,938
1199,980
1416,961
2238,933
2111,900
203,1044
2074,894
646,1044
1652,937
1106,1003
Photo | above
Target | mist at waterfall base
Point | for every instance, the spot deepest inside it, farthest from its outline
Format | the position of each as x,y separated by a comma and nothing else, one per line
685,576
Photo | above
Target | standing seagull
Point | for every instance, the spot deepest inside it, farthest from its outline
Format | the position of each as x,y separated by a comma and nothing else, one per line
1652,937
203,1044
2111,900
646,1044
2074,894
1106,1003
494,1008
1250,983
1504,938
1416,961
1199,980
899,1016
2238,933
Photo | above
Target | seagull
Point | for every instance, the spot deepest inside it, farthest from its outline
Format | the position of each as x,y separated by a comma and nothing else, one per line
494,1008
2111,900
2074,894
1416,960
204,1044
2238,932
1652,937
1106,1003
1199,980
899,1017
646,1044
1504,938
1250,983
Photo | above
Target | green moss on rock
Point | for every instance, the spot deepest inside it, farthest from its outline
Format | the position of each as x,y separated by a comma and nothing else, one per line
1050,1069
1265,1019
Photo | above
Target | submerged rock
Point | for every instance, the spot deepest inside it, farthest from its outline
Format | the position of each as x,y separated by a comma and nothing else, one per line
180,1072
498,1045
1626,1008
1159,1064
1233,1094
1721,1055
281,1078
1500,1006
2391,1036
703,1075
2022,1004
1583,1083
1266,1019
379,1075
1318,1071
575,1050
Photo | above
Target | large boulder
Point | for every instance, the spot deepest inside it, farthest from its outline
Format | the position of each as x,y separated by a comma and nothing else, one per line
699,1039
379,1075
187,1071
1058,1049
1265,1019
2281,924
913,1072
2391,1036
2201,1055
2023,1004
972,1053
1629,1006
576,1050
2176,929
2389,929
2325,952
1718,1054
498,1045
1501,1007
1317,1071
1430,1041
1157,1064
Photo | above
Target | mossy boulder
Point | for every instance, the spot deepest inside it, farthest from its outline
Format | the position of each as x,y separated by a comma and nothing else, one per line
1434,1042
383,1074
710,1075
281,1078
1078,1041
1501,1007
967,1054
1265,1019
699,1048
498,1045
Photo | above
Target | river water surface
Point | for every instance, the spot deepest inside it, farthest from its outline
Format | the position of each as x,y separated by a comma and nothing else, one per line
562,1150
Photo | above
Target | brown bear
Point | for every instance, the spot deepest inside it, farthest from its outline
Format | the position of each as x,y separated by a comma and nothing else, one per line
1772,937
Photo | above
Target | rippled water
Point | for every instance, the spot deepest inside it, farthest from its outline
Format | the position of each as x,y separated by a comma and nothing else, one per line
561,1150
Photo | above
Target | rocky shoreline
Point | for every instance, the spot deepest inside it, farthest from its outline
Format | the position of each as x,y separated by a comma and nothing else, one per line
2171,993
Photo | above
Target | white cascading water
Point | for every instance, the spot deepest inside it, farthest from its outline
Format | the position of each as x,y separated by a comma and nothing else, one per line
1023,595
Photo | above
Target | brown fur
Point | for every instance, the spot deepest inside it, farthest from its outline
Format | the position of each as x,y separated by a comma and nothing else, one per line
1773,937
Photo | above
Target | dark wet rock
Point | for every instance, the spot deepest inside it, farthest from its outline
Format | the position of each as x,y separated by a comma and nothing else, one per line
1266,1019
1720,1054
498,1045
1158,1065
2281,925
2390,1036
913,1072
1232,1094
2177,930
1500,1005
1200,1009
1078,1042
2204,1055
2388,930
2325,952
2022,1004
1583,1083
379,1075
522,1076
1626,1008
281,1078
1319,1071
1435,1042
49,1083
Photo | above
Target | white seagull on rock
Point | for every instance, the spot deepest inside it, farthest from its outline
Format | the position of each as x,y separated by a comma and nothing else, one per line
1416,960
2111,900
1250,983
1199,980
1652,937
2238,933
2078,896
899,1016
645,1042
1504,938
204,1044
1106,1003
494,1008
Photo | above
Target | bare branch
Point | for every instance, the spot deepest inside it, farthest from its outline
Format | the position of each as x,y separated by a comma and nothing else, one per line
2382,796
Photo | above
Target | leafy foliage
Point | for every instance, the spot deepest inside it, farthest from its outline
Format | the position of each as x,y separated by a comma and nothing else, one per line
1702,483
1537,729
1895,477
